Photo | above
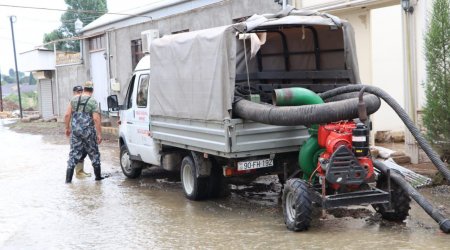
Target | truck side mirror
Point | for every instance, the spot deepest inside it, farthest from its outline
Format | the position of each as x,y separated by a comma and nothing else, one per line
113,103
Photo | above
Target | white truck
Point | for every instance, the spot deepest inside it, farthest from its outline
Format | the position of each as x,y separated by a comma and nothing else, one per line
185,104
178,110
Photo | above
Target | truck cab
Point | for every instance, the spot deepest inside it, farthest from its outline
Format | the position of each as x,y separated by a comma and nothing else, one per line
137,147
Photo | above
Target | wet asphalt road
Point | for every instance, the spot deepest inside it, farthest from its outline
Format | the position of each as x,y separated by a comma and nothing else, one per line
39,211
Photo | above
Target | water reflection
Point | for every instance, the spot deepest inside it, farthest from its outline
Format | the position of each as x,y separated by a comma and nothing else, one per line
40,211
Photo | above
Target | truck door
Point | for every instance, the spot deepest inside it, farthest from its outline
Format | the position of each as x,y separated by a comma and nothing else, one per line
127,116
140,135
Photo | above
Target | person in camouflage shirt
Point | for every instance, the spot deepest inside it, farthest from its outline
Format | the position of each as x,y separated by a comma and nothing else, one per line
83,125
79,168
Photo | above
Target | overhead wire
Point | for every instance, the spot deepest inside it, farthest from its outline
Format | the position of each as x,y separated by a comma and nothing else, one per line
145,5
74,10
77,11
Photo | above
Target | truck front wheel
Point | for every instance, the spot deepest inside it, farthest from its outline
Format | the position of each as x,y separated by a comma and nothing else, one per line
130,168
195,188
297,205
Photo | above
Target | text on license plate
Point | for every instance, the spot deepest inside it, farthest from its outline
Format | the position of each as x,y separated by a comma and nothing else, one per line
246,165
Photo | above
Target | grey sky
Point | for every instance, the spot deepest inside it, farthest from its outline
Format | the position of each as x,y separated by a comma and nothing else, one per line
31,25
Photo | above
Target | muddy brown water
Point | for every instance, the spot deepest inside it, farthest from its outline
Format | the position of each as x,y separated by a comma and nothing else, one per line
39,211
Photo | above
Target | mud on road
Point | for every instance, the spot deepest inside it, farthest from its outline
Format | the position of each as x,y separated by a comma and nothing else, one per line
40,211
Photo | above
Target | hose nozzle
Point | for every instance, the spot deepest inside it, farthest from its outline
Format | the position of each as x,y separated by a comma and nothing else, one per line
362,110
445,226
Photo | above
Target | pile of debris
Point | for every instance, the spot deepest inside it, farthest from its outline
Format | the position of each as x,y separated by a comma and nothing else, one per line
392,159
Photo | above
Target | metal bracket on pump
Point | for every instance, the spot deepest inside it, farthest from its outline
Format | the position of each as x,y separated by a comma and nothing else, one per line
343,168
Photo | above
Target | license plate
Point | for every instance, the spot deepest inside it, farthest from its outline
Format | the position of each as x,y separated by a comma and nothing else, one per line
246,165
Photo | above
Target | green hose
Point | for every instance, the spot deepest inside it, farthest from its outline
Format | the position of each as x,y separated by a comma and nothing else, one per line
295,97
309,152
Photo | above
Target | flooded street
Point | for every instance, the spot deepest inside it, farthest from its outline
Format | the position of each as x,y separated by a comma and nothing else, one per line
38,210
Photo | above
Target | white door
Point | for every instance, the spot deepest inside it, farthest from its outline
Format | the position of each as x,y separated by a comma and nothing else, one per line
140,133
46,98
135,121
99,75
127,117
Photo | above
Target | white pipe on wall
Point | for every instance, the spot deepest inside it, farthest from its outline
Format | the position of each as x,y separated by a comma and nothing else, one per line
410,82
56,82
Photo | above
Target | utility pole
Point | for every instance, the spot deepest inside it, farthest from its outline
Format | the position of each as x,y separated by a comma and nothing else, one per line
15,62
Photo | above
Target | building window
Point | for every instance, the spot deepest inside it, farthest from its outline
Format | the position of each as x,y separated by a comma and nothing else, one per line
136,52
180,31
97,43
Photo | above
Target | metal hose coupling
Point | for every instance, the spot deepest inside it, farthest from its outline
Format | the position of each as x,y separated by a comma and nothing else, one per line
362,109
445,226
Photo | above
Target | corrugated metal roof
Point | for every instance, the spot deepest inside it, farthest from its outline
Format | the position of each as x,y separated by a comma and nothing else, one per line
147,13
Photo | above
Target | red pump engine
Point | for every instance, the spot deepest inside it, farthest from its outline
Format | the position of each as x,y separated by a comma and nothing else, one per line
346,160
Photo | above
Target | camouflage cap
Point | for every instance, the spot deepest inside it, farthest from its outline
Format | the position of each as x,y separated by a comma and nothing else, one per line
77,88
89,85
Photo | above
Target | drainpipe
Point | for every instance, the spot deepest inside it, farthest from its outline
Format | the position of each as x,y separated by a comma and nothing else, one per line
410,74
56,82
108,61
284,4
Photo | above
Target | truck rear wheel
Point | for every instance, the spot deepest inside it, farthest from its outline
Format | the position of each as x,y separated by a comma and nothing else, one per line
297,205
399,202
195,188
130,168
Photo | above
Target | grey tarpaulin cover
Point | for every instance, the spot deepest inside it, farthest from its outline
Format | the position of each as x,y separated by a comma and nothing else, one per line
193,73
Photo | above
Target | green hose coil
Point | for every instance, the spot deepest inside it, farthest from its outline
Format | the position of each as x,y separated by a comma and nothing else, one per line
310,151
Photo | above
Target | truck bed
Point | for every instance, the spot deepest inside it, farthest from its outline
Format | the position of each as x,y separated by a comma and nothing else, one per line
233,138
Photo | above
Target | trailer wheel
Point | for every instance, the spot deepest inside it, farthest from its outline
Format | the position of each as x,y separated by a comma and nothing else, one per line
399,202
297,205
130,168
195,188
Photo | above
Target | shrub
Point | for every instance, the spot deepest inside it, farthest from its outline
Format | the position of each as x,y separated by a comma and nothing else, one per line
437,87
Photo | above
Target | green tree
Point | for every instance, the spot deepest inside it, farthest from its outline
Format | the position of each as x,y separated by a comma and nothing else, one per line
12,73
436,117
53,36
24,80
8,79
32,80
86,10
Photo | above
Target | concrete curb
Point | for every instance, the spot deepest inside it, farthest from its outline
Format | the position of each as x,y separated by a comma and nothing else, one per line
110,131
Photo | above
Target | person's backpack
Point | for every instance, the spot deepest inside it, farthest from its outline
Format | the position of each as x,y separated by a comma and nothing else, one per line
82,122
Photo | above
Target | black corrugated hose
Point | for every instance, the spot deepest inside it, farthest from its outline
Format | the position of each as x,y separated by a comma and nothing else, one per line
342,105
306,114
443,222
434,157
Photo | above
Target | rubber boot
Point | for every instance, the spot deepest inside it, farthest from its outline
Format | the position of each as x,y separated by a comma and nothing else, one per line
69,174
98,174
79,171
